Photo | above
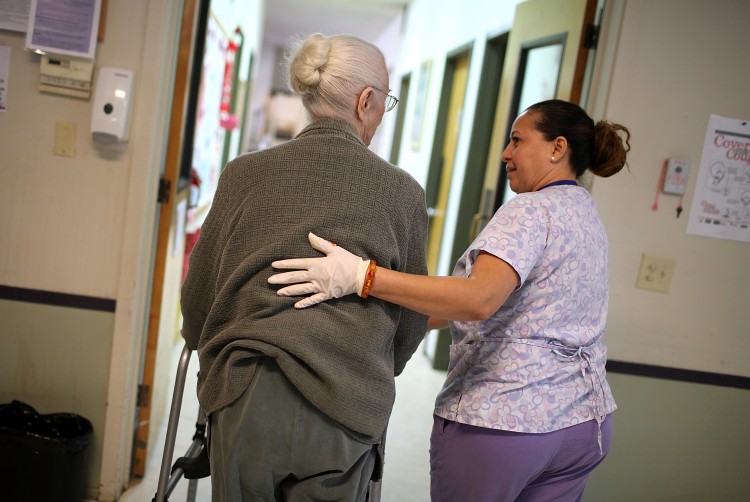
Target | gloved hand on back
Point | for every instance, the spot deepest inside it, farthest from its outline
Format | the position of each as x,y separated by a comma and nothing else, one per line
337,274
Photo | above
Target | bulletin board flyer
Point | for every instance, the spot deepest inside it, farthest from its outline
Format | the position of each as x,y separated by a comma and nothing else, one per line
721,202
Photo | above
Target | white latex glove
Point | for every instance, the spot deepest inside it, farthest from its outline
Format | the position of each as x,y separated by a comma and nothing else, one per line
337,274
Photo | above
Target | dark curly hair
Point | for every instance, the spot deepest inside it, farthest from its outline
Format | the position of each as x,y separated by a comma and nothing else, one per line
597,147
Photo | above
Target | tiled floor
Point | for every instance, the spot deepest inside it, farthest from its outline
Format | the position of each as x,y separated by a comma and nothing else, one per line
407,470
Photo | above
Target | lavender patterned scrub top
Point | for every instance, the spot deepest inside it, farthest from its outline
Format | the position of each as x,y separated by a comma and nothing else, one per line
537,364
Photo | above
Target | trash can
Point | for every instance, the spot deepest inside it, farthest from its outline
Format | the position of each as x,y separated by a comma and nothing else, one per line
42,457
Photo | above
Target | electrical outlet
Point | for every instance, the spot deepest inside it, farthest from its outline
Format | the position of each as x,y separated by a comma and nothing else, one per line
655,273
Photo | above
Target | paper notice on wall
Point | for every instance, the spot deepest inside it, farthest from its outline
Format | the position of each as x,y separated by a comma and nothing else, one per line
14,14
64,27
721,203
4,75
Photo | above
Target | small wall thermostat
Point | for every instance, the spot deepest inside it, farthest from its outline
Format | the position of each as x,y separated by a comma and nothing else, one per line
675,178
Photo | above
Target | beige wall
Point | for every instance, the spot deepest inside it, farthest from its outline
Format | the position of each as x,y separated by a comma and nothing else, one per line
64,215
662,75
670,73
662,68
84,225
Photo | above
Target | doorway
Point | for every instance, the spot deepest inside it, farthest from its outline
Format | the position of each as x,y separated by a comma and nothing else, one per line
450,114
398,130
168,255
469,221
547,57
204,130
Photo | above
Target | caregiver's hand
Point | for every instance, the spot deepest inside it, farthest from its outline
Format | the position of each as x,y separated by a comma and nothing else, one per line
337,274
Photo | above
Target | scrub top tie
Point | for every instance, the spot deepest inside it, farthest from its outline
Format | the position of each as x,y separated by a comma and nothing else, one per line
583,355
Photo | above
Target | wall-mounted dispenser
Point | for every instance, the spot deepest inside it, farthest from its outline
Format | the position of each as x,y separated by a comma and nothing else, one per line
113,101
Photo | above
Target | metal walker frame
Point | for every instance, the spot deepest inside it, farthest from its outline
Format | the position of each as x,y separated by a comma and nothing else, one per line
194,465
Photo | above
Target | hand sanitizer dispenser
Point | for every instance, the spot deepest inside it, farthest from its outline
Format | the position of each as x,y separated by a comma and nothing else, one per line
113,101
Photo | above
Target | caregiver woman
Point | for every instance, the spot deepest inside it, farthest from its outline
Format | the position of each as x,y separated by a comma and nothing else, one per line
524,413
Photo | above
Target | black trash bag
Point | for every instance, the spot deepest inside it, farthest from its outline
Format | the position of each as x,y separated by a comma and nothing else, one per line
42,457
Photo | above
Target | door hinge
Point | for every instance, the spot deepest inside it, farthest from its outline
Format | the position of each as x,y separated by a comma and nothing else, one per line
165,188
591,36
144,396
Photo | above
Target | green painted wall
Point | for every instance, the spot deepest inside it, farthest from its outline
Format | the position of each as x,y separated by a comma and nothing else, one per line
57,359
675,441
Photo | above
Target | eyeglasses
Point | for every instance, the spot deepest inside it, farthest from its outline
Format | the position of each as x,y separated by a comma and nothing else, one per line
390,100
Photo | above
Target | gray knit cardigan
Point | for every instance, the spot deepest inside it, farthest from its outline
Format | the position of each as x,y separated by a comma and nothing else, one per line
343,354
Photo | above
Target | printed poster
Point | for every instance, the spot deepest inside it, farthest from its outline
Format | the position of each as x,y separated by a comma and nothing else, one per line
65,27
721,203
4,75
208,140
14,15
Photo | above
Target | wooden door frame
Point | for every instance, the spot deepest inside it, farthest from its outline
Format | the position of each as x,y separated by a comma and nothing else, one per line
477,197
481,136
168,188
439,358
471,192
570,87
432,184
437,162
398,130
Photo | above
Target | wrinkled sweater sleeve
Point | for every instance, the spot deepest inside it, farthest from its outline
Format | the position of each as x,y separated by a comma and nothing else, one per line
413,326
199,288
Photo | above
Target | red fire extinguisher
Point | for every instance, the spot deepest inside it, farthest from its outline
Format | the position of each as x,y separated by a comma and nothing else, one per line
195,189
227,119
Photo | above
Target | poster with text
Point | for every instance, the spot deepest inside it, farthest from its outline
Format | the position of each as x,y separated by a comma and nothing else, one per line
721,203
208,141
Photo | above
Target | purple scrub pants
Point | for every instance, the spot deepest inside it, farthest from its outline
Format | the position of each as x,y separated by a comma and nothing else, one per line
477,464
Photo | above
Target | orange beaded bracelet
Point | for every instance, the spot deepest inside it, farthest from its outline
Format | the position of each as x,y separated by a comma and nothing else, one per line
369,277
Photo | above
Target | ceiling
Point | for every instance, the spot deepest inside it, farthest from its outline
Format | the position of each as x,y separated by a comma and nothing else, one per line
363,18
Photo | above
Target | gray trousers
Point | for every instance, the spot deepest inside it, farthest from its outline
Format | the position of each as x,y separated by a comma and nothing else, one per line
273,445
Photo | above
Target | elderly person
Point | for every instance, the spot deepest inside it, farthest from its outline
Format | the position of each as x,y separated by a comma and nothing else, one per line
299,400
525,410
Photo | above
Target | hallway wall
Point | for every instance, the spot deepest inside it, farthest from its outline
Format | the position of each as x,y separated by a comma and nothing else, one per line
679,435
667,78
83,226
434,30
44,349
80,230
661,78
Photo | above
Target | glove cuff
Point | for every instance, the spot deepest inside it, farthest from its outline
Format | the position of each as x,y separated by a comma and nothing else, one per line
362,285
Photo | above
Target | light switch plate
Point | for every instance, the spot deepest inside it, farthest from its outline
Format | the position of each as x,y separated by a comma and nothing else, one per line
65,139
655,273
